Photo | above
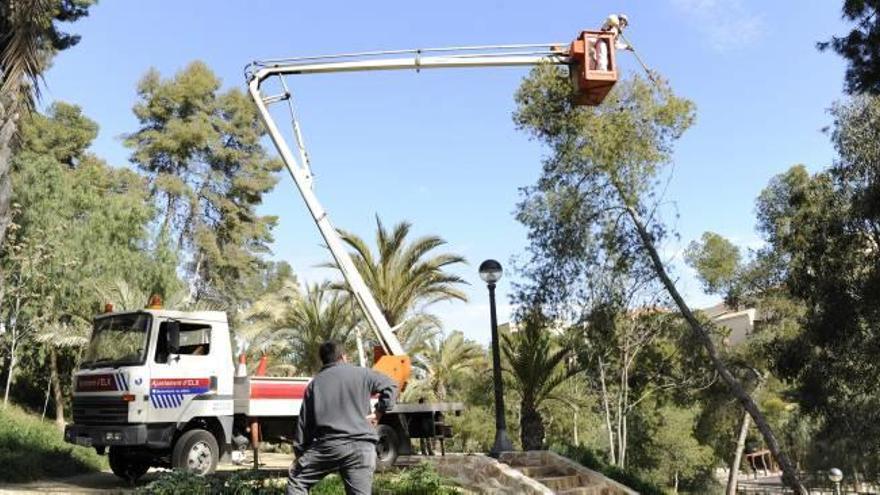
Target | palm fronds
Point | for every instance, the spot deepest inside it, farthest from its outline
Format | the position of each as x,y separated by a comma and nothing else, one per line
403,276
24,45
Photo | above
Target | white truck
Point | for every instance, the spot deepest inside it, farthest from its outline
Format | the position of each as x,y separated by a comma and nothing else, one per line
159,387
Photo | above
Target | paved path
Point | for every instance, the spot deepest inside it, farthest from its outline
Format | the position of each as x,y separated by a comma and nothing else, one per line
107,483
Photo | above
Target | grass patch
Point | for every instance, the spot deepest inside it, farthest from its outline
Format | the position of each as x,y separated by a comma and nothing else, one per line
417,480
31,449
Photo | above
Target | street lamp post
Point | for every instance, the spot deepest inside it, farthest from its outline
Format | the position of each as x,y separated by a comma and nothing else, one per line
835,475
490,272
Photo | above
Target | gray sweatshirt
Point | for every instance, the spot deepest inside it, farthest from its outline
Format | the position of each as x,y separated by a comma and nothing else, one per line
336,404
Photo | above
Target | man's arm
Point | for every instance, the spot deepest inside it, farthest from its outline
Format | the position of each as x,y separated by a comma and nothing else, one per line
383,385
302,435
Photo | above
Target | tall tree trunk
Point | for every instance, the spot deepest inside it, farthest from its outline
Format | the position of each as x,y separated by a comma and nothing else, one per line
57,393
733,479
8,128
531,426
12,364
46,402
574,432
612,457
624,411
12,347
789,474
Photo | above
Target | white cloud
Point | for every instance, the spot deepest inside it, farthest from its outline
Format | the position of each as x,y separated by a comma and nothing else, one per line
727,24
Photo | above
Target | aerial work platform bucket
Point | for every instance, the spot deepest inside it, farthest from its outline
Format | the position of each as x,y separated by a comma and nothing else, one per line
594,67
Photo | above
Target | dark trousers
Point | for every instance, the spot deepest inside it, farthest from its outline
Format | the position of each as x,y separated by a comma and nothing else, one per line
354,461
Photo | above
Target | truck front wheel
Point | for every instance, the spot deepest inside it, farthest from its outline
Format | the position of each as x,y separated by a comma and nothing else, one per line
196,451
126,464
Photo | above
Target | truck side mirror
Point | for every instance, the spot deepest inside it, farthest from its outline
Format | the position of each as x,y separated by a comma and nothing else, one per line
173,336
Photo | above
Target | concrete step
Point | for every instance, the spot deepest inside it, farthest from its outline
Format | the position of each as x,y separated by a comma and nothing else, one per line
541,471
558,483
582,490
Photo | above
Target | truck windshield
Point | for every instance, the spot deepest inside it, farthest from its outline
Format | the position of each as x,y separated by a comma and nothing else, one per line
118,340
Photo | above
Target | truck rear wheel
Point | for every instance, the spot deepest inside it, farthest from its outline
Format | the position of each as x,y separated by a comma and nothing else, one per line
196,451
126,464
387,448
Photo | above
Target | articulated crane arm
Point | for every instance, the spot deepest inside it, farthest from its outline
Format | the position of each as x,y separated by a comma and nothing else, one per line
592,85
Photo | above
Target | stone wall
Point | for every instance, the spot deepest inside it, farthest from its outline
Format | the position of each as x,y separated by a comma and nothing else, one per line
487,475
588,476
482,473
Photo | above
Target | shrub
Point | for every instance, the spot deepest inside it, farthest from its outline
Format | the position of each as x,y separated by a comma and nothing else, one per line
421,479
589,459
31,449
418,480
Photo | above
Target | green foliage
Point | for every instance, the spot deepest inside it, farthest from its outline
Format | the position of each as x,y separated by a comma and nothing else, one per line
418,480
201,150
78,223
405,276
668,450
536,362
715,259
444,362
861,47
31,449
292,325
400,276
64,133
421,479
593,460
31,37
601,160
826,228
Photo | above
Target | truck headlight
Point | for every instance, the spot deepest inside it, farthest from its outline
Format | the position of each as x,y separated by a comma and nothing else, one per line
111,436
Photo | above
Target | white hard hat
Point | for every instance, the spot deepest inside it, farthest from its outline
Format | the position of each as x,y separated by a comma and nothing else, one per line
624,20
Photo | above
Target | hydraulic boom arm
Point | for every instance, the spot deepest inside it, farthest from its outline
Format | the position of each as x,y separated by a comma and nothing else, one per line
575,56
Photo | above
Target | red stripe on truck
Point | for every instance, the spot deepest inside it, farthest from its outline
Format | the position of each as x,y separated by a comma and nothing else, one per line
278,390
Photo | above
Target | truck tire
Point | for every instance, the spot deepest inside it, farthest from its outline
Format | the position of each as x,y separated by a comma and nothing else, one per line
126,464
197,452
387,448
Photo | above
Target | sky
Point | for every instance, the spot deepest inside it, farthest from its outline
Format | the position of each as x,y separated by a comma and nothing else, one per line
439,148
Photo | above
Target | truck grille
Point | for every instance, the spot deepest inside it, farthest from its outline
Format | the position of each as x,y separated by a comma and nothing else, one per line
99,410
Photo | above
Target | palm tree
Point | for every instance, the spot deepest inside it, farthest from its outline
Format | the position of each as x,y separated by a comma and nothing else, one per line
262,322
405,278
537,363
28,38
57,337
446,359
290,325
125,297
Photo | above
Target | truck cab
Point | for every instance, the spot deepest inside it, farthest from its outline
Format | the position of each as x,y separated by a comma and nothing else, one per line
155,388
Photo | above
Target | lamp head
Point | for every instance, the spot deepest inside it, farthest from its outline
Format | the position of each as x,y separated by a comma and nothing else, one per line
835,475
491,271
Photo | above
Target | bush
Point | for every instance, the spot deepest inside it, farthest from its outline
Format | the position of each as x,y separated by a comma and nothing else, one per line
31,449
589,459
419,480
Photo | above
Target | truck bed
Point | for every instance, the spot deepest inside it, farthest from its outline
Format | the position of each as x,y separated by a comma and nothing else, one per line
269,396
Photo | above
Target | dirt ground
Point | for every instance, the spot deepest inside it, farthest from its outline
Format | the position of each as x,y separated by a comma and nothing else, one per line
107,483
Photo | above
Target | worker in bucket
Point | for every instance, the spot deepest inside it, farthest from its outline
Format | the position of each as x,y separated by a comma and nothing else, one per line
336,428
615,24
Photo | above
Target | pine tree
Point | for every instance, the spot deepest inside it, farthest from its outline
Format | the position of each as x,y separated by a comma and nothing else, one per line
201,149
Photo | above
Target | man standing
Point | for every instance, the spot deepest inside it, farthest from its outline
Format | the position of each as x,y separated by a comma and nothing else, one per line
335,431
